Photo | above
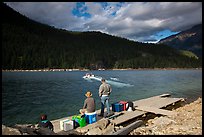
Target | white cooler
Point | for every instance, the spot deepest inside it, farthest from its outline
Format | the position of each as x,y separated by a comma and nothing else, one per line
68,125
62,123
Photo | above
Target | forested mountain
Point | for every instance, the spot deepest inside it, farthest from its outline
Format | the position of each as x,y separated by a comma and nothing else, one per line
190,40
27,44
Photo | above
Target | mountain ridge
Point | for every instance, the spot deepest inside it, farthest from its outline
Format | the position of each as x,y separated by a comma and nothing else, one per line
190,39
27,44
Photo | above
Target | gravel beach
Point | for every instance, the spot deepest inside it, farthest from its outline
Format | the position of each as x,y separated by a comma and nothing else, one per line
186,121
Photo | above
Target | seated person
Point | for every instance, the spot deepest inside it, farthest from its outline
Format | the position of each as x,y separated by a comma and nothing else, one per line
88,107
89,104
45,123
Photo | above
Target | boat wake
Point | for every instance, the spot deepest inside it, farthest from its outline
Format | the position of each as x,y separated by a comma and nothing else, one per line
116,79
118,84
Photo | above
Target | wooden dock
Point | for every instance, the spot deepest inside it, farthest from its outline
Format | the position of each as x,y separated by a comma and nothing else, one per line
155,110
153,105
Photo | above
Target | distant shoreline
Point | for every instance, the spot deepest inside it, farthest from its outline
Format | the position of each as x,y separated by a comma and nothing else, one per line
50,70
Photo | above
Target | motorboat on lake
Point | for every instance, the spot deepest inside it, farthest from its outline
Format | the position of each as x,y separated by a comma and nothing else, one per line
88,76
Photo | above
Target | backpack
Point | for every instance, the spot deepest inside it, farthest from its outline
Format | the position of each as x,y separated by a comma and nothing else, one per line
130,106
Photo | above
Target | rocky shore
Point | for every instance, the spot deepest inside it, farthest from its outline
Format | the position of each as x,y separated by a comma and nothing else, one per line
186,121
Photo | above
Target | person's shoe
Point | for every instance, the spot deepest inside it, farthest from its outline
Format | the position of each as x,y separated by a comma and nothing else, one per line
100,115
108,115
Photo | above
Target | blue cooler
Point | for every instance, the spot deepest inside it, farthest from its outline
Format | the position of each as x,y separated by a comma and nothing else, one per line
117,107
90,117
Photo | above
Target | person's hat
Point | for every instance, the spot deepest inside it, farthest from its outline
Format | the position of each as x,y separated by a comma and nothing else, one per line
103,79
88,94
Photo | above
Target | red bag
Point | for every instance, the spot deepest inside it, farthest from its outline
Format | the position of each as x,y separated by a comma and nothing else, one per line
124,104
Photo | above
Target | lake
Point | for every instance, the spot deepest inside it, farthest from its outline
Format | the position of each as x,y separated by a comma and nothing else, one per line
26,95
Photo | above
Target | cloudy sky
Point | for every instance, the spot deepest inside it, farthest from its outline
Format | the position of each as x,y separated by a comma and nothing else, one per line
139,21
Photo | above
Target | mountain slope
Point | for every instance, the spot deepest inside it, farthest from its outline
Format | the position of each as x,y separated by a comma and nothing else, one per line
190,40
27,44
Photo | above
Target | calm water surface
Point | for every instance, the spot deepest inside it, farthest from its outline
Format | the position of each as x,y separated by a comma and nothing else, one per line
25,95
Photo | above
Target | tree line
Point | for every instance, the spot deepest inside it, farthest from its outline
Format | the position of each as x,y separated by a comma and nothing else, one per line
27,44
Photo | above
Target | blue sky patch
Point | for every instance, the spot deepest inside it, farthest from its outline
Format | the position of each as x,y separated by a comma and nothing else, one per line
165,33
104,4
114,13
81,10
108,6
120,4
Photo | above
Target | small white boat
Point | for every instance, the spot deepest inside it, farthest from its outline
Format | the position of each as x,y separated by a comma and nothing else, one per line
88,76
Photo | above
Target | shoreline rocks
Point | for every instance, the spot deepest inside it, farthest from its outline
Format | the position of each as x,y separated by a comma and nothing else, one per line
26,129
186,121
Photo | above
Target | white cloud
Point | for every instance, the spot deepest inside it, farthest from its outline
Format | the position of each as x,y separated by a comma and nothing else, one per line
95,9
134,20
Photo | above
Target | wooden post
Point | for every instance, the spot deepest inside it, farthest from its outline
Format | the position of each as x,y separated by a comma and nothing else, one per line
127,129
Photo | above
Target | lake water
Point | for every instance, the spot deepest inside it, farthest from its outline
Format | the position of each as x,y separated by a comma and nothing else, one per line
26,95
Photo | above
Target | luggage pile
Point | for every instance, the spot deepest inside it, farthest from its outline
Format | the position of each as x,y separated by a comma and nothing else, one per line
122,106
78,121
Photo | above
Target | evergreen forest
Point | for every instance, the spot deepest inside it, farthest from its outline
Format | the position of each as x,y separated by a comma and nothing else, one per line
27,44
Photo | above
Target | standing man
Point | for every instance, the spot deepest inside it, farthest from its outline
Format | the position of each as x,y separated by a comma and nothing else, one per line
104,92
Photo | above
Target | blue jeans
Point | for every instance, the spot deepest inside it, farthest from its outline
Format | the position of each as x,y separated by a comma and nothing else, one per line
105,100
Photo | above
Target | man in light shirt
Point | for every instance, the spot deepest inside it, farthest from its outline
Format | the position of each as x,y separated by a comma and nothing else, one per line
104,92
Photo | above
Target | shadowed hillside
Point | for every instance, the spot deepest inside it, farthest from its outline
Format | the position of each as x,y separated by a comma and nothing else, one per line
190,40
27,44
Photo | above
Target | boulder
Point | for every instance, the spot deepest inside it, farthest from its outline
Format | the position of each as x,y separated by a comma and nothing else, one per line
10,131
109,130
102,124
162,121
29,129
45,131
69,132
86,128
94,131
26,129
